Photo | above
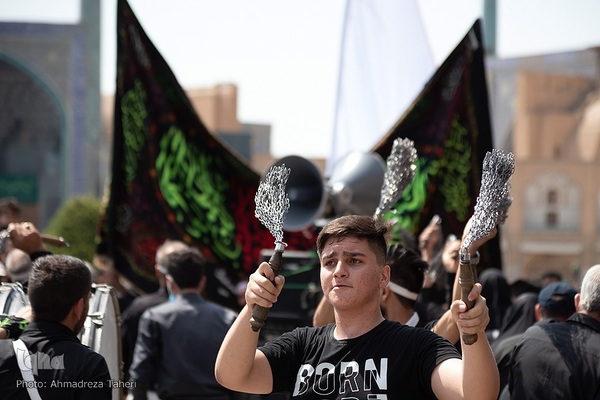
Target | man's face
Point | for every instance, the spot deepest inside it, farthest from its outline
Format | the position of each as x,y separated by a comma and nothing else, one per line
450,255
351,277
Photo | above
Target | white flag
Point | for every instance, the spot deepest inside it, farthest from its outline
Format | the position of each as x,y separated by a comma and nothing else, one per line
385,62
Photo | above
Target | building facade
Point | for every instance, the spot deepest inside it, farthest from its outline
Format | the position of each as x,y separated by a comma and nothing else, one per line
50,112
553,128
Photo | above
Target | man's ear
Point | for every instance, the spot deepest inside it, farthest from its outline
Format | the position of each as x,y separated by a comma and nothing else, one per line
171,285
385,276
577,300
538,312
158,273
202,284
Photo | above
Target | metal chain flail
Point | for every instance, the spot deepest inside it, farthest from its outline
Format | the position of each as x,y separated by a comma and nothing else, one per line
272,202
399,174
497,170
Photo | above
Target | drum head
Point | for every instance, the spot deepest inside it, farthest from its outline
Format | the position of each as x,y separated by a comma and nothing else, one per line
102,330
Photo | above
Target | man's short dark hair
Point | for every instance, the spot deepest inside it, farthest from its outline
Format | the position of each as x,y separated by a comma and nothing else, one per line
551,276
186,267
407,270
56,283
374,230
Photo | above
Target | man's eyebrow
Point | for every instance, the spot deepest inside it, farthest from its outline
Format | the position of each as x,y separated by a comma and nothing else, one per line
329,254
354,254
344,254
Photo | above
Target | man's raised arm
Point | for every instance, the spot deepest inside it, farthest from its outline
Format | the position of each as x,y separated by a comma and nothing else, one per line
476,375
240,366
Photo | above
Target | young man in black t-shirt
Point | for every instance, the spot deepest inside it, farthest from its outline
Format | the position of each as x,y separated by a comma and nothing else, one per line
362,354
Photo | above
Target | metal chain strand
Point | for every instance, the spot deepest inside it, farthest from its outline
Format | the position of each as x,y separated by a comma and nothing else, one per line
4,237
399,174
504,205
272,202
497,170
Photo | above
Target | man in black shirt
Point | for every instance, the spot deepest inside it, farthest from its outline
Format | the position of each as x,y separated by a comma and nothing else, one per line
556,303
361,355
131,316
178,340
52,361
560,360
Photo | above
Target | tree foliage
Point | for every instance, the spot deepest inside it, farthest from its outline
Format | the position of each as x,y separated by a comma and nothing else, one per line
77,222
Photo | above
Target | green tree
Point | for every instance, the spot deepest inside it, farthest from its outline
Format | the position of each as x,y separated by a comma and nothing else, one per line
77,222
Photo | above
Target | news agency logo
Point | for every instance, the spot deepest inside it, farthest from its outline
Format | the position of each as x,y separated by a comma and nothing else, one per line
40,361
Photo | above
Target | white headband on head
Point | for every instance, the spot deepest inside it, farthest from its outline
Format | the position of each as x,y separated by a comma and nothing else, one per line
401,291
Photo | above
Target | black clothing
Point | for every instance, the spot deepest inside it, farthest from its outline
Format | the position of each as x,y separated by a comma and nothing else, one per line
496,291
428,312
558,361
131,321
503,351
392,360
177,347
519,316
64,367
435,294
125,299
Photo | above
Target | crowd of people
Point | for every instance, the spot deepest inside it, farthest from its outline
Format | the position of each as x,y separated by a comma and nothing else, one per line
391,324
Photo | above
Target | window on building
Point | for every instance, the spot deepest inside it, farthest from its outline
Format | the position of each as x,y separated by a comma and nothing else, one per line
552,197
551,219
552,202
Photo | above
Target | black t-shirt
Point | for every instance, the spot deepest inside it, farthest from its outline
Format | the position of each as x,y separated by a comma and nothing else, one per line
392,359
131,321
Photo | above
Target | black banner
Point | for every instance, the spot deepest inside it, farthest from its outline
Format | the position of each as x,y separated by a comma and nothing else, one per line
450,125
172,179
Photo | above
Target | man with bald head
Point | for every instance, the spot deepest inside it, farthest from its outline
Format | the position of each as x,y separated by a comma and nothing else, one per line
18,266
131,316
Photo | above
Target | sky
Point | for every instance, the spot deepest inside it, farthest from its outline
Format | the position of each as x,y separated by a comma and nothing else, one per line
284,55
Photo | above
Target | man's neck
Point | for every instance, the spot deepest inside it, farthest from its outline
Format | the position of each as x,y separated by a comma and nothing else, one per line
351,324
593,314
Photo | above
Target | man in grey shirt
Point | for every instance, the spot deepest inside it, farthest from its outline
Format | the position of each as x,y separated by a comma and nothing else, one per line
178,341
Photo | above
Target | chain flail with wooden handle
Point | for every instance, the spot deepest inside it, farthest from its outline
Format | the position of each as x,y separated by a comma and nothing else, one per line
493,194
399,174
58,241
272,204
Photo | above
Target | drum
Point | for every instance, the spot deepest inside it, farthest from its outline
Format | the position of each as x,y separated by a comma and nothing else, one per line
102,331
12,298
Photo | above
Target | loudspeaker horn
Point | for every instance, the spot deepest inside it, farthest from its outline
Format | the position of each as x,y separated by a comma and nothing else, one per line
354,186
306,190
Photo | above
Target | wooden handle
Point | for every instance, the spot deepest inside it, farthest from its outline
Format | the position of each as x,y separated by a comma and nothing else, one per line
466,279
259,313
54,240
